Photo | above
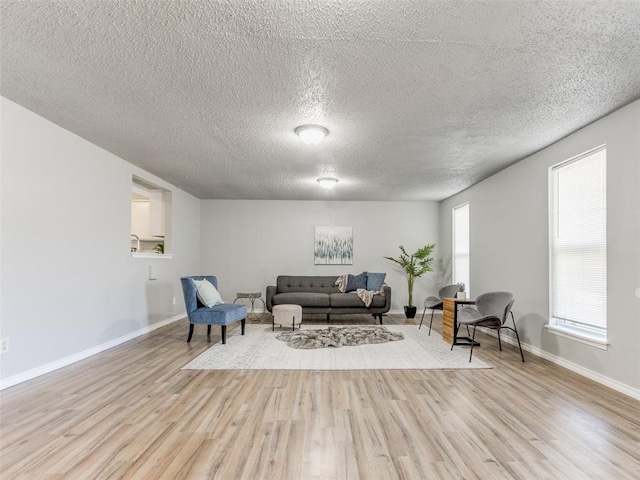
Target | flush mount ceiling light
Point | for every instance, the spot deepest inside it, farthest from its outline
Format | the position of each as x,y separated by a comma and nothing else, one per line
311,134
327,182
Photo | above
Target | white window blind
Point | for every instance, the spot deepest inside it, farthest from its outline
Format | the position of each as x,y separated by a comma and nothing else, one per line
579,242
461,245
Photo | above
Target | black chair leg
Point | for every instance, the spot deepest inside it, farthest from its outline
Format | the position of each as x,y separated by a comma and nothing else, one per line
380,317
431,322
242,322
208,330
473,340
499,342
190,332
423,312
515,329
224,334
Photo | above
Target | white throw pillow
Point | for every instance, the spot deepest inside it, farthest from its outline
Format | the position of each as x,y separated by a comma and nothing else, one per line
207,293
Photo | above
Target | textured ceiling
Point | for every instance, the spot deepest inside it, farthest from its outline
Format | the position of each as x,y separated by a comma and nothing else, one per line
422,98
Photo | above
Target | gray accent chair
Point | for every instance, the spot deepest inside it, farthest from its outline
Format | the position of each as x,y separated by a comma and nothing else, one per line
435,303
491,311
222,314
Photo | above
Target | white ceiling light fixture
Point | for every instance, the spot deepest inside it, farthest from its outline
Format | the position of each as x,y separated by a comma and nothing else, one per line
311,134
327,182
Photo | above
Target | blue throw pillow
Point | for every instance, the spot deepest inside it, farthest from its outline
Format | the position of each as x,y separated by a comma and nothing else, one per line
375,281
355,282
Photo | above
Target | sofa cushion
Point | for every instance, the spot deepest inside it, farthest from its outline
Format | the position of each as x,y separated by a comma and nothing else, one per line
346,300
375,281
351,300
378,301
304,299
299,283
355,282
221,314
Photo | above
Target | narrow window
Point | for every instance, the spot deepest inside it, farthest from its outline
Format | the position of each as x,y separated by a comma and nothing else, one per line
461,245
578,228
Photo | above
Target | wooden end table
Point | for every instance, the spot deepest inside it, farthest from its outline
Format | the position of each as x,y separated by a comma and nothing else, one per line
450,321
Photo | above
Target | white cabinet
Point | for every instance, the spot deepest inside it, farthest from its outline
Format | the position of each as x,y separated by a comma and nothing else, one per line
156,214
140,218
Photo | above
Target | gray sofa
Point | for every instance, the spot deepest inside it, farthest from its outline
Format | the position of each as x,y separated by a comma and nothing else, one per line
316,294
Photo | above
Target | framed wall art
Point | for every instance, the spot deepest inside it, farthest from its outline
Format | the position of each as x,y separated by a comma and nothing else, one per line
333,246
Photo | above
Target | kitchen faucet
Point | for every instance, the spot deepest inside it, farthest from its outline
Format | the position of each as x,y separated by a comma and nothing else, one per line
137,248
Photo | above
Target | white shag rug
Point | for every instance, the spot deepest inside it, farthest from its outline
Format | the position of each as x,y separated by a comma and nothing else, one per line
259,349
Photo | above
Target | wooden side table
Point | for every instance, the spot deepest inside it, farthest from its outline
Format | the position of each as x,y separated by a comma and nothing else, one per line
450,320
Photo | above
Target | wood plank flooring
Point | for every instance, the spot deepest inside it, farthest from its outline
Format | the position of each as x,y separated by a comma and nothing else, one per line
131,413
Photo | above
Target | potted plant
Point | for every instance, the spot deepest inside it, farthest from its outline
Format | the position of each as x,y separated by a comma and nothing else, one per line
414,266
461,291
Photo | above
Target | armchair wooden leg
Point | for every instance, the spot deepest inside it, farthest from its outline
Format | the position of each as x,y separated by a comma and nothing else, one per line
224,334
242,322
190,332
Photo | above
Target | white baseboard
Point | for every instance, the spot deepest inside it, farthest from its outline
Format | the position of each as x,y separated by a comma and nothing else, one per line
63,362
574,367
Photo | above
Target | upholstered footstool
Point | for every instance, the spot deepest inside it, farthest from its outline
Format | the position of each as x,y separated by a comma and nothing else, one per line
286,315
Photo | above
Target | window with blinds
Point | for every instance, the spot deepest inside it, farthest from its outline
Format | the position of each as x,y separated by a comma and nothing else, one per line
579,242
461,245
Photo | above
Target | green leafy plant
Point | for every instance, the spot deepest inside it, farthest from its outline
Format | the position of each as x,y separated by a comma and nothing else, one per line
461,287
414,265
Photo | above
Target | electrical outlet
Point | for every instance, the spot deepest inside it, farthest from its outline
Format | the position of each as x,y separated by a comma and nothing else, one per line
174,300
4,345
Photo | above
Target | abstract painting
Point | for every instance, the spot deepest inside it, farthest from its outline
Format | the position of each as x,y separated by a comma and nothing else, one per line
333,246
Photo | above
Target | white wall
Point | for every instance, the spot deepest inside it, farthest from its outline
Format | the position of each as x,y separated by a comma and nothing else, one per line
248,243
509,245
69,283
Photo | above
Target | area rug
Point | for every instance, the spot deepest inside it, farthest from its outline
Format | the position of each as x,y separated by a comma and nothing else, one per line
260,350
336,337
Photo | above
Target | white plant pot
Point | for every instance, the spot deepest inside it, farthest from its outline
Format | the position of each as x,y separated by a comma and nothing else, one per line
461,295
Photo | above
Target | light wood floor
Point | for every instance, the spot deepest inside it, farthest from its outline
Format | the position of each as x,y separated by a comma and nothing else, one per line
130,412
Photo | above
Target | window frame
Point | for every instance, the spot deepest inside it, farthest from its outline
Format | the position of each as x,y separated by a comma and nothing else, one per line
467,280
574,330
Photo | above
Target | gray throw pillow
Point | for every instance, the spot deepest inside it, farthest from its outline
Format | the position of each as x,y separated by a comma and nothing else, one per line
375,281
355,282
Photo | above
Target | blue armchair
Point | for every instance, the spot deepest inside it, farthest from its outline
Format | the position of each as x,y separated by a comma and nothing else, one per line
222,314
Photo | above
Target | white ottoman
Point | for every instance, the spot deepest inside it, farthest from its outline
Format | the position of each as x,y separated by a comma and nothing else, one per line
286,315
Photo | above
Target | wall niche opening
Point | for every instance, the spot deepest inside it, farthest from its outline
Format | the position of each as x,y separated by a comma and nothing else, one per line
150,217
